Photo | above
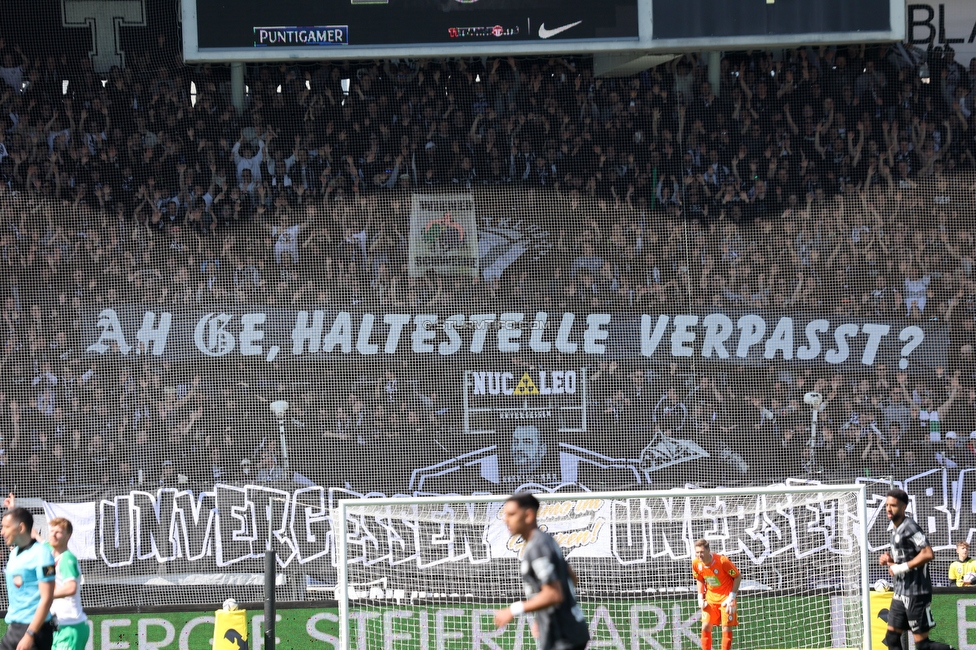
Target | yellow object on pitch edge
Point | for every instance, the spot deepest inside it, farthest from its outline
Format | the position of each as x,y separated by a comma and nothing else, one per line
230,630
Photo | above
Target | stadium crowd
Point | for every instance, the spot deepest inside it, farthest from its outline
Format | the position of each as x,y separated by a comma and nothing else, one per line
832,181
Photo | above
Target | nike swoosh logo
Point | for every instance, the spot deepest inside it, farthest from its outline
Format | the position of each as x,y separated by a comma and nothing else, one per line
549,33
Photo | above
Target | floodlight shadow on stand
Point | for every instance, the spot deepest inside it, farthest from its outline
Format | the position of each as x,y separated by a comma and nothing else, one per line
278,408
816,403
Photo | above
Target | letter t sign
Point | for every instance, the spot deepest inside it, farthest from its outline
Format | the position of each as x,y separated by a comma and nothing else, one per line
103,18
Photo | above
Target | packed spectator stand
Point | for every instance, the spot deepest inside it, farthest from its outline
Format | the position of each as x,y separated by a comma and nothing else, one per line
836,181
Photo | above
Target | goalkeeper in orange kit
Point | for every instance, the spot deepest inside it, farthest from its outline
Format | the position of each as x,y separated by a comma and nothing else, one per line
718,584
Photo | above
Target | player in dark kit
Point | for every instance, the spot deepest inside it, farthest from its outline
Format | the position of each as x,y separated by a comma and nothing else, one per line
548,582
911,606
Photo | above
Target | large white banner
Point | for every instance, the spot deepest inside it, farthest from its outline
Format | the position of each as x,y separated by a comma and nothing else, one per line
223,528
952,23
722,337
227,526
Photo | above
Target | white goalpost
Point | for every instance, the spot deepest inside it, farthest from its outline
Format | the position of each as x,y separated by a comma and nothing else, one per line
428,572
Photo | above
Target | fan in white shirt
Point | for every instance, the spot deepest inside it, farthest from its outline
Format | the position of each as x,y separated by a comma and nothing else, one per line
245,158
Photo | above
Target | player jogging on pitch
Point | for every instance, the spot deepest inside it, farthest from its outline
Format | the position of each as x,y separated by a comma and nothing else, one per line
548,582
70,621
72,632
718,583
911,606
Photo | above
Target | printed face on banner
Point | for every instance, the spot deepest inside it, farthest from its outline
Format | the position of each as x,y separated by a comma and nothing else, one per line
526,415
528,449
532,457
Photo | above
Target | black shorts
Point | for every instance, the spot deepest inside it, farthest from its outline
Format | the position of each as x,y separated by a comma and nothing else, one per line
910,613
16,631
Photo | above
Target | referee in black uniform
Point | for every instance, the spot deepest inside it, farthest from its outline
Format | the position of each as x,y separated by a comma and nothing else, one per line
548,580
911,607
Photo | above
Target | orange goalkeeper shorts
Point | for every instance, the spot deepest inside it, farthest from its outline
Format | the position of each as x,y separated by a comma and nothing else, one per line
718,615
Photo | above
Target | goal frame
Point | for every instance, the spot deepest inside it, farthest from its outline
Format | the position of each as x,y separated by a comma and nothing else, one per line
343,506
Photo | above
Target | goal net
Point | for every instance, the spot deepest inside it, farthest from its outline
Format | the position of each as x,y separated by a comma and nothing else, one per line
429,572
